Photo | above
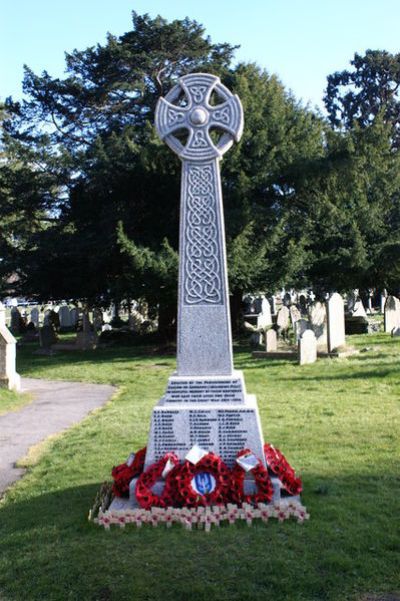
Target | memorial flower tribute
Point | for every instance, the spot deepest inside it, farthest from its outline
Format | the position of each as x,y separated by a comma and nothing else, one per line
204,493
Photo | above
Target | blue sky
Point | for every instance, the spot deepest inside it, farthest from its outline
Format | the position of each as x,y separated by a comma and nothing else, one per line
301,41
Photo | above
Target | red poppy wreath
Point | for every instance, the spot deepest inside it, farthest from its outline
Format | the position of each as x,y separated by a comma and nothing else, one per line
261,477
143,491
279,465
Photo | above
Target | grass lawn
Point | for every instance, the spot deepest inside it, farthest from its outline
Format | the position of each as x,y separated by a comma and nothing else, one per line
11,401
337,421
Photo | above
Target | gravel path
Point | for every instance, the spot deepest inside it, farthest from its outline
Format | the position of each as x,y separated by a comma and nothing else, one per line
55,407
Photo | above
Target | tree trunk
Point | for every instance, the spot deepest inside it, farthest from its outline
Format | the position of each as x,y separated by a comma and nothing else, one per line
236,306
167,316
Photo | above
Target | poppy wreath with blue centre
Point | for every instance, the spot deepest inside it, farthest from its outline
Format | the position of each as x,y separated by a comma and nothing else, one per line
209,464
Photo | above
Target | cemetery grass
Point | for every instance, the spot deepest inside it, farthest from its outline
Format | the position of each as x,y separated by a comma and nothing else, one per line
11,401
337,421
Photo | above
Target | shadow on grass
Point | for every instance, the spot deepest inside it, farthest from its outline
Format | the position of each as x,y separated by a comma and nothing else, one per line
48,540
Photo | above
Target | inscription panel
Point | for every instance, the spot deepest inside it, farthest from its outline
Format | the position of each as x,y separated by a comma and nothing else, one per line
224,431
204,391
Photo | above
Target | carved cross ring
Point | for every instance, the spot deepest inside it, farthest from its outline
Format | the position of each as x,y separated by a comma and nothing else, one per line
198,117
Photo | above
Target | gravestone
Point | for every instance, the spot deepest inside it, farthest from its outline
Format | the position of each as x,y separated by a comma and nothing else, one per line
261,318
335,322
295,314
35,317
64,316
317,316
74,316
396,332
8,375
307,348
272,302
47,337
270,341
300,326
282,319
87,339
383,298
392,313
205,403
358,309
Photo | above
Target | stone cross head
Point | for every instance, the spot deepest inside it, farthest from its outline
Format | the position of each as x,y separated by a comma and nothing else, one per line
198,117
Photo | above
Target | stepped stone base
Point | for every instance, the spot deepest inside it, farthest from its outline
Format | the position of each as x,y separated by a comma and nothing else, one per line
212,412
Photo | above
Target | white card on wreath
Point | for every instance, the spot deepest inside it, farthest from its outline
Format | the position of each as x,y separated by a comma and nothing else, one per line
195,454
248,461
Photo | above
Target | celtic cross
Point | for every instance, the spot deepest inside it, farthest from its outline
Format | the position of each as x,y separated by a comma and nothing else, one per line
204,333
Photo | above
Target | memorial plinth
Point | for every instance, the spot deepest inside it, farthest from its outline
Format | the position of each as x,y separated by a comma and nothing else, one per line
205,403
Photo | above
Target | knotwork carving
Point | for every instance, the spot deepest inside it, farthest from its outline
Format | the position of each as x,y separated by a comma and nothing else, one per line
202,276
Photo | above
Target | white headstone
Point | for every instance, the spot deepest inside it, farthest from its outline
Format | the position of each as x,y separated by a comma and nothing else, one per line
8,375
270,341
264,318
317,314
358,309
282,320
335,319
392,313
206,403
307,348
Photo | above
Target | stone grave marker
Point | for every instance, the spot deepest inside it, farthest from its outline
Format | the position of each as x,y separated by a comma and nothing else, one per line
383,298
307,348
8,375
74,316
295,314
34,317
272,302
358,309
282,320
87,338
300,326
205,403
317,315
47,337
261,318
335,322
270,341
64,316
392,313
